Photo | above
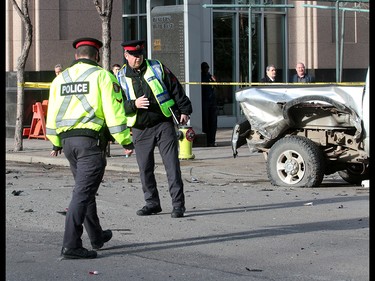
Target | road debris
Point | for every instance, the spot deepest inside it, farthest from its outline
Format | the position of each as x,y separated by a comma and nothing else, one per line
16,192
308,204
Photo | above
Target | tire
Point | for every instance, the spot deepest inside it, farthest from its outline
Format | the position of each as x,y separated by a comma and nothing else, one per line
355,174
295,161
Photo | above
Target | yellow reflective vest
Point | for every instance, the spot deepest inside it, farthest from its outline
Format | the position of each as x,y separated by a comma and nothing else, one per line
86,96
154,78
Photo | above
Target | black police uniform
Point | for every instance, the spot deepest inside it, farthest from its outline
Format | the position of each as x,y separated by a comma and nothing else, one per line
153,129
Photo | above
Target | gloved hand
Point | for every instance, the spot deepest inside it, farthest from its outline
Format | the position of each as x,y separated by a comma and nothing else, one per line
55,151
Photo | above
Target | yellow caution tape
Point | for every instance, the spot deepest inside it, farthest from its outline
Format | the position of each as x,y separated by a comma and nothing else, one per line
35,85
43,85
275,84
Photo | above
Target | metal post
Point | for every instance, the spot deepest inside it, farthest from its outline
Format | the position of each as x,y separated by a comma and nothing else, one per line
337,41
342,43
250,47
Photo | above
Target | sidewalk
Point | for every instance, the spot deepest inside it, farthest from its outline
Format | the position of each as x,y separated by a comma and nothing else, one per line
213,159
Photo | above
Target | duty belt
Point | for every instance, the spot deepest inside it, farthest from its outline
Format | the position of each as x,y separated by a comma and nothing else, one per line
80,133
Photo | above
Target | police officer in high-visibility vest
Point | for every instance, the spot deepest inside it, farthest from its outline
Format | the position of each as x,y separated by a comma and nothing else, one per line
85,109
152,92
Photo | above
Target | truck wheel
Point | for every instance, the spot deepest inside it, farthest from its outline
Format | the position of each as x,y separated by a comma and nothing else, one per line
355,174
295,161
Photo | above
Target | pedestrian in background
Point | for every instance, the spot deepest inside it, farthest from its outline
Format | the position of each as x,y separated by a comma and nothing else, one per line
85,105
152,93
301,76
58,69
115,68
209,105
270,74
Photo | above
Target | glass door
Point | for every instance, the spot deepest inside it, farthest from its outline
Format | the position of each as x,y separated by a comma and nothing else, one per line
232,49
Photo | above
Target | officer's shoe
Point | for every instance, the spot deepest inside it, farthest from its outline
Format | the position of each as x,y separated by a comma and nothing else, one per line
106,236
178,212
146,210
78,253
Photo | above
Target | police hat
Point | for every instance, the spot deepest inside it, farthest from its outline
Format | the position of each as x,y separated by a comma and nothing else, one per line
87,41
134,47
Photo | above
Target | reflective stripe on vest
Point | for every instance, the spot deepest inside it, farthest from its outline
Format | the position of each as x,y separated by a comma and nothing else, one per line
153,77
60,122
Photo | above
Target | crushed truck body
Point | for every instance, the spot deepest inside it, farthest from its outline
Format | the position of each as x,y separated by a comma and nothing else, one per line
306,131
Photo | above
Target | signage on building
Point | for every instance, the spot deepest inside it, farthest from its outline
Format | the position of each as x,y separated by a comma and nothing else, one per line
167,38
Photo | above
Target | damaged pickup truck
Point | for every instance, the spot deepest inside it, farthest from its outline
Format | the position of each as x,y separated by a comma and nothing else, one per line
307,131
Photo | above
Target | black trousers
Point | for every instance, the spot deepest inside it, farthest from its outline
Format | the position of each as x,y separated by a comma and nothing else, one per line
87,163
209,121
164,137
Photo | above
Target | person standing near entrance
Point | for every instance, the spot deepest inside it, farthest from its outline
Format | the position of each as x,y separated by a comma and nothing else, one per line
58,69
301,76
209,106
270,74
152,93
85,105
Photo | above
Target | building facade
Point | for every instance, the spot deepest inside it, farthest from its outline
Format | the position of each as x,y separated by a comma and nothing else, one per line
237,38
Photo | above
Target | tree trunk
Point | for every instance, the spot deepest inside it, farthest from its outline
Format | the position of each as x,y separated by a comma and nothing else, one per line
106,29
21,62
18,143
105,12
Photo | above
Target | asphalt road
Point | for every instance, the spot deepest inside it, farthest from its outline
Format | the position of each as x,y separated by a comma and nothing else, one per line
236,227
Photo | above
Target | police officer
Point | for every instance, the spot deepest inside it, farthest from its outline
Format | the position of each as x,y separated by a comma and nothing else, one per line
152,92
85,107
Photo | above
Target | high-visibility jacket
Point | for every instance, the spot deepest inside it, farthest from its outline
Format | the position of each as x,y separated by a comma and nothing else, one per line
86,96
154,78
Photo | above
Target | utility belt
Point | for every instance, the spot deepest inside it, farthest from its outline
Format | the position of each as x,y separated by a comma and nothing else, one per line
103,136
80,133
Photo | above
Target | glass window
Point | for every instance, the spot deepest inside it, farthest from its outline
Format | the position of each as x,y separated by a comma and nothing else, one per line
173,2
222,2
231,47
142,6
273,44
134,7
129,7
130,30
244,32
143,27
134,20
224,60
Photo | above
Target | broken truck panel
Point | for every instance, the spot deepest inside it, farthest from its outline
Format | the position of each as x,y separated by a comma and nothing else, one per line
267,109
239,135
333,117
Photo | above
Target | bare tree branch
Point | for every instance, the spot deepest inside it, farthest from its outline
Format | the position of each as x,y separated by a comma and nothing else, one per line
97,6
18,10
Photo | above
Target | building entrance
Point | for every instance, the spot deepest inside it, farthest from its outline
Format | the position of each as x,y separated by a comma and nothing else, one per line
242,50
